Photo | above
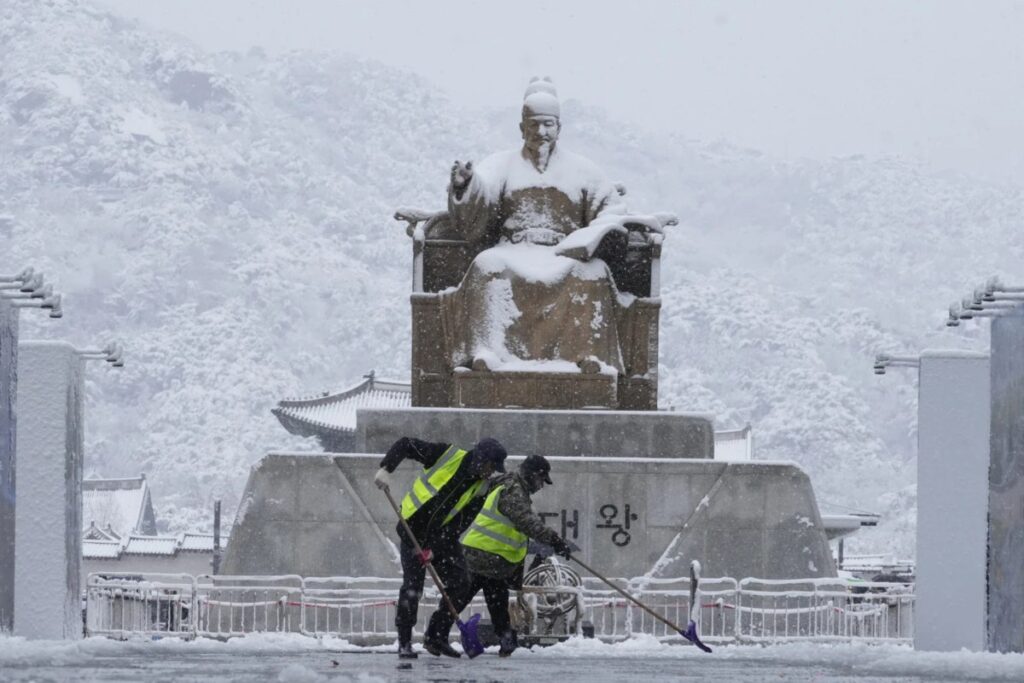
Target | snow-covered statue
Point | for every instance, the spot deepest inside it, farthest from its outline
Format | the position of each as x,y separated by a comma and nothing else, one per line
539,281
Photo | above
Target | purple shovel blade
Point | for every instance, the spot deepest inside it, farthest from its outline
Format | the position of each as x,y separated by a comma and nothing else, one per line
691,635
471,644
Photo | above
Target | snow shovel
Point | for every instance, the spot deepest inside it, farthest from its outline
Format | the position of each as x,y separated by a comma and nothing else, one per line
471,644
691,629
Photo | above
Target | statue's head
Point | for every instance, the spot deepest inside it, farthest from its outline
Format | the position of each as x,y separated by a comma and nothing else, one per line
541,122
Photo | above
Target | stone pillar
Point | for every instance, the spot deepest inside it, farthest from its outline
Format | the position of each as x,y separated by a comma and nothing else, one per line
952,500
1006,487
48,555
8,394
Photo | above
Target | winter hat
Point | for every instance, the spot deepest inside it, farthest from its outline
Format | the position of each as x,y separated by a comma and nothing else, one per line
541,98
536,464
490,450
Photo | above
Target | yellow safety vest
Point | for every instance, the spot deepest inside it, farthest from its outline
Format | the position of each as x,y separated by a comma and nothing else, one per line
433,480
493,532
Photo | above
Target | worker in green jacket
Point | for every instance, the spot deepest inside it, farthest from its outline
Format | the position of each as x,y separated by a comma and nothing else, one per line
495,549
442,502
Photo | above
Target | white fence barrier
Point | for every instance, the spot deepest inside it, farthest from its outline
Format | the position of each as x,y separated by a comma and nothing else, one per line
362,610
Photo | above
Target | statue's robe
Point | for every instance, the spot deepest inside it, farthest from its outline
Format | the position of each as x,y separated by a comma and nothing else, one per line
520,300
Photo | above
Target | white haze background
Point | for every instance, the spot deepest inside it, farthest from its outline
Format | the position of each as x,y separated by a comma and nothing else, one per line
228,215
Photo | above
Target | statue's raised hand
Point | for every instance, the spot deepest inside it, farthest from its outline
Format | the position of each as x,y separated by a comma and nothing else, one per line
462,173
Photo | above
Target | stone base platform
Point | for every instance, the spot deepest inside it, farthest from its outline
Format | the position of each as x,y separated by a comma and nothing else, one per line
596,433
574,390
320,515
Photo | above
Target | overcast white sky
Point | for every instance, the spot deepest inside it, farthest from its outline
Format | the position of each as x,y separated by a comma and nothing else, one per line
940,80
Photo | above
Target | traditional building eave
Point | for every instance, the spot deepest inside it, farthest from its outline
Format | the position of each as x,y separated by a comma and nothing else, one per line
328,414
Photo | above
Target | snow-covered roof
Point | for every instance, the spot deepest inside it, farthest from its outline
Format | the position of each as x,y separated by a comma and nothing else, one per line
151,545
842,521
202,542
157,546
123,505
326,413
101,550
877,563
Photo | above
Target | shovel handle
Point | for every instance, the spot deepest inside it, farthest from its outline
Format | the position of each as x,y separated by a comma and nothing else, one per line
416,544
627,595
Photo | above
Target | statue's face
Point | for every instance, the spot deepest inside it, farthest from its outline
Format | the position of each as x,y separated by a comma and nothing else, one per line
540,132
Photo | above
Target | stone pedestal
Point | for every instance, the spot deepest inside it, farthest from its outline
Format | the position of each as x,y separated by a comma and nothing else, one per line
952,500
638,492
1006,487
571,390
8,394
301,514
321,515
596,433
48,525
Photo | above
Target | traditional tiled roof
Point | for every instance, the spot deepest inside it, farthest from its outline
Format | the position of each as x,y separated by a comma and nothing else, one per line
151,545
199,542
156,546
94,533
101,550
121,505
840,521
317,415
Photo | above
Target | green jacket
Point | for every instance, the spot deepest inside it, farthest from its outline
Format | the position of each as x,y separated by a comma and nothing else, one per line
515,504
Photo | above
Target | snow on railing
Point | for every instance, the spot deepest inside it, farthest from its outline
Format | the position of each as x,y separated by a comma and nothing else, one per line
147,604
823,609
362,609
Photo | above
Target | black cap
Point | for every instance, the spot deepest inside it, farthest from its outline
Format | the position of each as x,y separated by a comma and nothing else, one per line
537,464
490,450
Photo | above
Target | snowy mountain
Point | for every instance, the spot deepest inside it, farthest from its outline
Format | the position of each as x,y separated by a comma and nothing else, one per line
229,217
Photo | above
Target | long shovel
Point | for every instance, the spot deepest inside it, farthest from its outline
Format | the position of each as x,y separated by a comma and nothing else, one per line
471,644
691,629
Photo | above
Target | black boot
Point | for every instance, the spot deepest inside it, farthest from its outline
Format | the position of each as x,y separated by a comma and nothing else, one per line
440,647
405,650
507,644
435,639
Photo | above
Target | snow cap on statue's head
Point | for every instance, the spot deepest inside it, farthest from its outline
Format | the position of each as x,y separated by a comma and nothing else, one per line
541,98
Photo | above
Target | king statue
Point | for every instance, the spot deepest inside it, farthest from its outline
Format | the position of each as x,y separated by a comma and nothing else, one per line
549,235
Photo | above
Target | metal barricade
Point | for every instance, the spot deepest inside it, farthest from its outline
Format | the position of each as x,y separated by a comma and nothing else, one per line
350,607
823,610
362,609
140,604
236,605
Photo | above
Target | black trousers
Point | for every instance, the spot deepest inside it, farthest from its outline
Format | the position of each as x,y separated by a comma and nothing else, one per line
451,567
496,594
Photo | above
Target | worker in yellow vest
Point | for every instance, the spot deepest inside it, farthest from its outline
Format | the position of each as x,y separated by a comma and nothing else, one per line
443,501
495,549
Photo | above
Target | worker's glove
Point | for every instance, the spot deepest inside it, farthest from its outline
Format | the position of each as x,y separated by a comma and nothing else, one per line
425,556
382,479
563,548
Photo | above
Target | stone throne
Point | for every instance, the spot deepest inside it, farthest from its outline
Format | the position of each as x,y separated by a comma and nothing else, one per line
441,256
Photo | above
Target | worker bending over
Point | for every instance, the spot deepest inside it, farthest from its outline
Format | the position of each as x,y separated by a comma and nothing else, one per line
443,501
495,550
